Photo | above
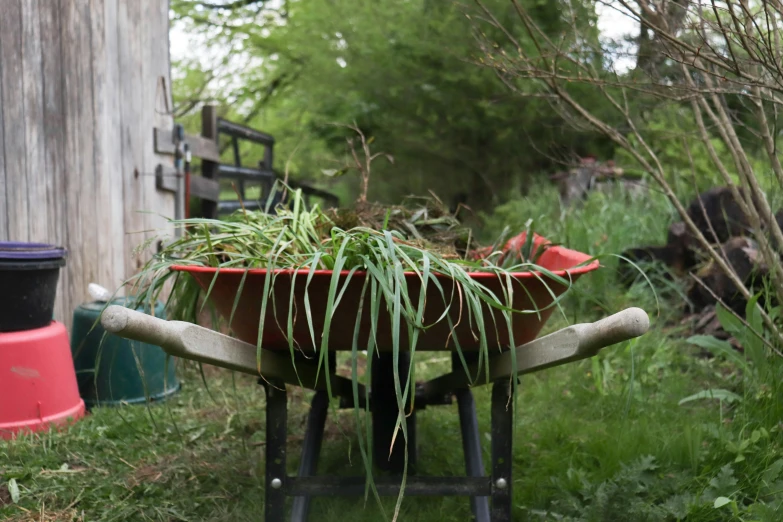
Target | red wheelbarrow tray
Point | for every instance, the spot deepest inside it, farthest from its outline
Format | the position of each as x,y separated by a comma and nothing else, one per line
534,293
276,369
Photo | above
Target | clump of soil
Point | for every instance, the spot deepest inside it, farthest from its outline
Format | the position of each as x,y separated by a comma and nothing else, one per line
426,222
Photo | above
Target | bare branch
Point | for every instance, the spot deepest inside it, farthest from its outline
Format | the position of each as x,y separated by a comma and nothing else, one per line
733,53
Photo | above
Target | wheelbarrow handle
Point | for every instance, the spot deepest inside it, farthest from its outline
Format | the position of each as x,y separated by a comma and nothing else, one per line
181,339
190,341
131,324
572,343
619,327
575,342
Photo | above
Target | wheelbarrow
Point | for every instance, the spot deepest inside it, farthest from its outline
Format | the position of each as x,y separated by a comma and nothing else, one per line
490,494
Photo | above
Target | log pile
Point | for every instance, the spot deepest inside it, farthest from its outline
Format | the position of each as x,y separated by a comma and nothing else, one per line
573,185
720,219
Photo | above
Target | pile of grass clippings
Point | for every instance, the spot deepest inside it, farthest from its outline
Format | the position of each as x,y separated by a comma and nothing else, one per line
423,221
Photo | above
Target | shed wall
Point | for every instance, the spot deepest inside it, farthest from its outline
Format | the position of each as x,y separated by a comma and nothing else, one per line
83,83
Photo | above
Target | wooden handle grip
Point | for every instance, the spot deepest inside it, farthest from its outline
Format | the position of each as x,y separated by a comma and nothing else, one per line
139,326
622,326
201,344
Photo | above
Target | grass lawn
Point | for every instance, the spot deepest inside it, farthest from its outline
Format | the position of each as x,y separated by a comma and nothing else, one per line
602,440
597,439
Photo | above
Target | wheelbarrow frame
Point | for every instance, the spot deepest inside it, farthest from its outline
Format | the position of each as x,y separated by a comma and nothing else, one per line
490,494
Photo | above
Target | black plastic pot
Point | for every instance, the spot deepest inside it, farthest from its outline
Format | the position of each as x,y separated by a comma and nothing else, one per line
28,284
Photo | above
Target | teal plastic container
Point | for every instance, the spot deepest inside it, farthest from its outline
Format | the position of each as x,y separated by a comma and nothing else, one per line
111,370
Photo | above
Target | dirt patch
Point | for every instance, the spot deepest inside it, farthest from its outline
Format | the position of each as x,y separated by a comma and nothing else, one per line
211,414
344,369
150,473
427,222
5,495
44,515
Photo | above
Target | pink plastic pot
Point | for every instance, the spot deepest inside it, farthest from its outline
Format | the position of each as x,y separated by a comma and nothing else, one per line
37,381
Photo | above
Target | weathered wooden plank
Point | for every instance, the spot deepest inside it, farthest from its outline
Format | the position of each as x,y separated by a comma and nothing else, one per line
69,25
54,143
164,141
131,161
79,181
149,61
14,120
203,148
200,187
112,135
199,147
39,182
208,189
102,168
166,178
37,179
158,102
146,87
77,103
238,130
3,185
88,198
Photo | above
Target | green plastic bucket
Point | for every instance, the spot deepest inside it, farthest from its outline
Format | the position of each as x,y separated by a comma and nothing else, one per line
111,370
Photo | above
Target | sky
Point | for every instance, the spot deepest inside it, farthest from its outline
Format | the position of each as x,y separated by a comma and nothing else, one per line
612,24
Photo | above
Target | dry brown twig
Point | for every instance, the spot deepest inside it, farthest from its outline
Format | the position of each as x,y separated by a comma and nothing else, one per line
363,167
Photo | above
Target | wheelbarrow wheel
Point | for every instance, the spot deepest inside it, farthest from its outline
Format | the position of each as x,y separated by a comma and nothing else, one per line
384,415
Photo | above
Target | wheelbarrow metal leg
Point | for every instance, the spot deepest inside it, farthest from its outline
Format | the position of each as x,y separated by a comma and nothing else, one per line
385,412
502,410
311,448
471,445
276,429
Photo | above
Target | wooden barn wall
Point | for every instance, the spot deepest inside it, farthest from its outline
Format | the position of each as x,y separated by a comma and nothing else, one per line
82,85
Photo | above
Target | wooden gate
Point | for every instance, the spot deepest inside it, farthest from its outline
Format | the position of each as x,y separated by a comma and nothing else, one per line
221,187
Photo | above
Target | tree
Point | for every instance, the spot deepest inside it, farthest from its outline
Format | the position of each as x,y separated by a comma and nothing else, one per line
403,72
710,56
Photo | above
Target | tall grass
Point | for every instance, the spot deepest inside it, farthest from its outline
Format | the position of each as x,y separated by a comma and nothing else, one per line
684,428
604,225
